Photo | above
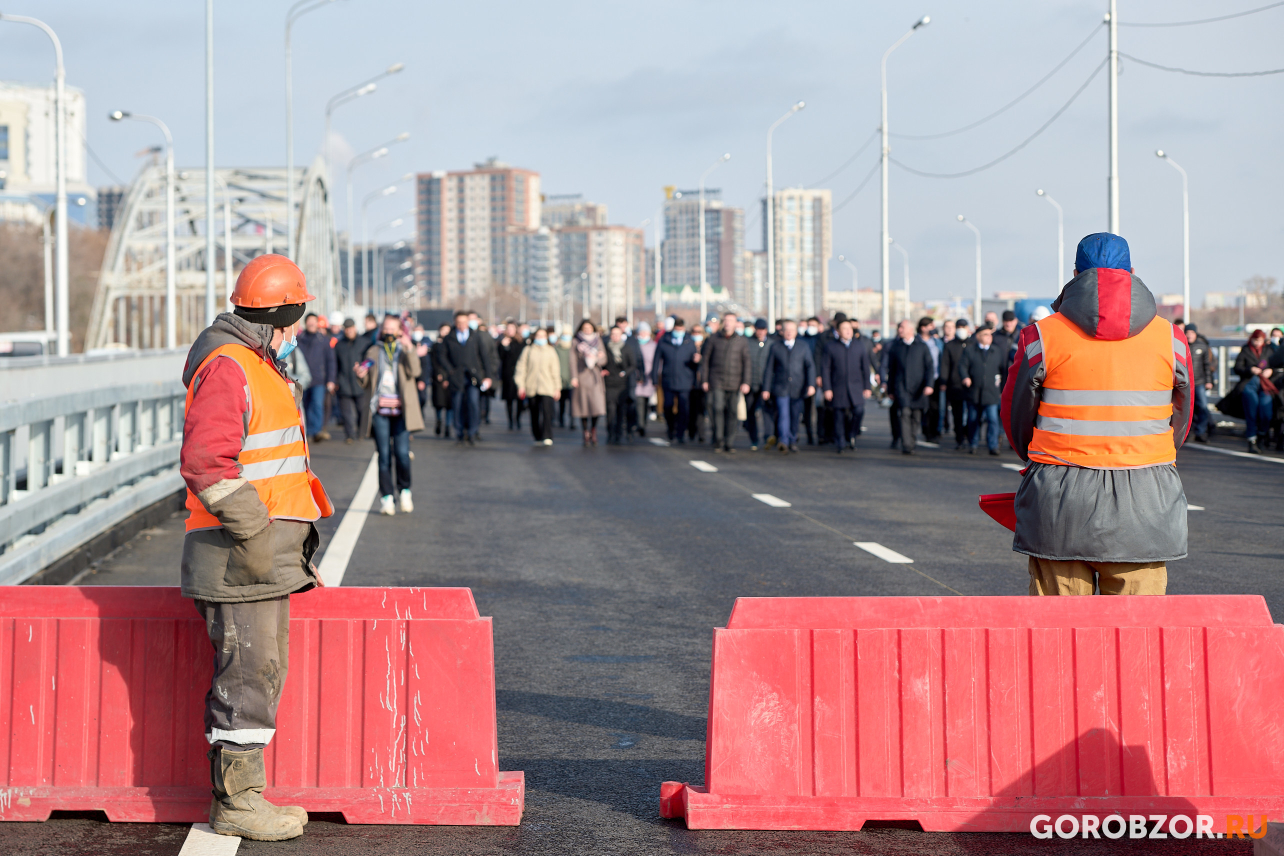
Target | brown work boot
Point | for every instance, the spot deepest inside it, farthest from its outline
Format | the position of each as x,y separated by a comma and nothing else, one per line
239,808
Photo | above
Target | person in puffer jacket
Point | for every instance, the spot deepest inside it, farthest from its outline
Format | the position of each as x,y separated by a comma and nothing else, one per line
1098,400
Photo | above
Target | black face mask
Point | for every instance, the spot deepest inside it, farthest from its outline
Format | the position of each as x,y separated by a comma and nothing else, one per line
390,337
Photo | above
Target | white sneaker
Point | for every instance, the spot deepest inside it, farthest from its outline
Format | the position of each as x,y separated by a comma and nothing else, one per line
548,442
386,506
406,505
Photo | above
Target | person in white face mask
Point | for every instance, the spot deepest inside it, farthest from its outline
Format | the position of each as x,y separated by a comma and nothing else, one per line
539,383
955,393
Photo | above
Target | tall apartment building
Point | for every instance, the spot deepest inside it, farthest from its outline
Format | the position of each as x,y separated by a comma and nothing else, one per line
465,219
534,266
753,294
803,247
571,209
724,237
614,257
27,156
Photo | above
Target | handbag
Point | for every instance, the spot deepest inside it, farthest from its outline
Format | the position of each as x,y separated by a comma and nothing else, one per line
742,412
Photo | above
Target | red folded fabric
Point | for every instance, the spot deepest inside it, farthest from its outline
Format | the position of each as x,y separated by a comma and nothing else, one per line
1000,506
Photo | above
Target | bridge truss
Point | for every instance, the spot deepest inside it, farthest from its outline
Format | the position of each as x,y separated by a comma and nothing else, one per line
250,212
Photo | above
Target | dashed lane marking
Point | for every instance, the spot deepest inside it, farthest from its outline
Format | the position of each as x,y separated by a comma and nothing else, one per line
884,553
773,501
1251,457
703,466
1013,467
334,564
203,841
1190,507
656,441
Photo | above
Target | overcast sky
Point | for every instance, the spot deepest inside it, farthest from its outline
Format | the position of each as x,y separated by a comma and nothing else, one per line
615,100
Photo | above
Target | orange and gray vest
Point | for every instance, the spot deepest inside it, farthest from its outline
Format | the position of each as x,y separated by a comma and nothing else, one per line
1106,404
274,453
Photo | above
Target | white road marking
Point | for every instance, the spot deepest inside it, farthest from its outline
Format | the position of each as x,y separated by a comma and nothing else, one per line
703,466
203,841
335,562
883,553
1014,467
658,442
1236,454
773,501
1190,507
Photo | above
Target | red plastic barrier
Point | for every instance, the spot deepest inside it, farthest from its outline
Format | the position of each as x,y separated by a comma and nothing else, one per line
388,714
977,714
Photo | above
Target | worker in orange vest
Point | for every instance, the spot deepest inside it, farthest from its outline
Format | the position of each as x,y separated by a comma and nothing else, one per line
1098,400
253,500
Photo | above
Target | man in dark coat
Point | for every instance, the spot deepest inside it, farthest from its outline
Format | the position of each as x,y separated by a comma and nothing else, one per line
1005,339
631,419
955,397
844,371
509,351
789,377
909,381
981,373
724,375
1201,379
314,345
468,374
674,369
348,351
618,376
759,348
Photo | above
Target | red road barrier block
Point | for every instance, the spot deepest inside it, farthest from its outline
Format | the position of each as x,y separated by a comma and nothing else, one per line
979,713
388,714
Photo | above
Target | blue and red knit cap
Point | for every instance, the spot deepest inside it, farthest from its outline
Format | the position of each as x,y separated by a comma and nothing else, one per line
1102,250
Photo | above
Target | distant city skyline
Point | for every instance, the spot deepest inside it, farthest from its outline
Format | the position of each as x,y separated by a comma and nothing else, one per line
613,103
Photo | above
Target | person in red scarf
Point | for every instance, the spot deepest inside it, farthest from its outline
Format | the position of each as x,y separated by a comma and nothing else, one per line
1257,388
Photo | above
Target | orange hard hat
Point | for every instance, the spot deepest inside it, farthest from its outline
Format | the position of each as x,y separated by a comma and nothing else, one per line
270,280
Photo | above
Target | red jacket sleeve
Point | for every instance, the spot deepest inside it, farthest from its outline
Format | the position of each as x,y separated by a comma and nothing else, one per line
1019,409
214,426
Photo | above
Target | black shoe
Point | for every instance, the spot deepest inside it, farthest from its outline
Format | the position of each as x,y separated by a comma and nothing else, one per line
1201,438
784,450
971,450
459,442
1252,447
729,450
907,451
476,437
994,452
839,450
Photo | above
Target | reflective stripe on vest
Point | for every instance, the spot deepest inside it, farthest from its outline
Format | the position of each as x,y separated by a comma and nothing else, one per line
274,454
1105,404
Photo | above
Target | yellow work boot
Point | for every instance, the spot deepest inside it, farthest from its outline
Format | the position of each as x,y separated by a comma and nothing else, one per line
239,808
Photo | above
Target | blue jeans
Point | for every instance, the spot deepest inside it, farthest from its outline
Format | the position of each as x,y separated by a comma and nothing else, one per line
788,412
466,403
314,408
391,437
989,414
1257,409
1200,426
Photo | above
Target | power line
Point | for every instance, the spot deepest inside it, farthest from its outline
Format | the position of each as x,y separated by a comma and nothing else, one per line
1205,20
858,189
99,160
846,163
1011,103
1204,73
1023,144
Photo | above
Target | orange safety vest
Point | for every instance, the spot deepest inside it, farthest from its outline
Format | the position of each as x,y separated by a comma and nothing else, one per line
1106,404
274,453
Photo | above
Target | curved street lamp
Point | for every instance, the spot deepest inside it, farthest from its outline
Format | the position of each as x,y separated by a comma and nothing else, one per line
171,338
352,93
1061,238
1185,233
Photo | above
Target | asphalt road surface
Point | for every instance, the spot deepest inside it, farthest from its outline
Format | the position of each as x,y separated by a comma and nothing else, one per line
606,569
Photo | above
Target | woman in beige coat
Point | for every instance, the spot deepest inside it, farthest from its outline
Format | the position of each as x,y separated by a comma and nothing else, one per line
539,384
588,396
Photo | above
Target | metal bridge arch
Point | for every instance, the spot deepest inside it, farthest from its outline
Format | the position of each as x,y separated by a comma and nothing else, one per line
129,303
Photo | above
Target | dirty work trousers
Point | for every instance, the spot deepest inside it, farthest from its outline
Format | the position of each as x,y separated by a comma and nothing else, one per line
251,656
1050,576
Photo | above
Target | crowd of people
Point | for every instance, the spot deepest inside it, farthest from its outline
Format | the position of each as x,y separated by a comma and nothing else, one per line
802,383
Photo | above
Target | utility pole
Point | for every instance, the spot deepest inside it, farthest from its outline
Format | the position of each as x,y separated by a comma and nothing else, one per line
210,305
1113,19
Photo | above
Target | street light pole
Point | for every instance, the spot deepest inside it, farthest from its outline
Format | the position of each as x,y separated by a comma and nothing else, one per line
658,297
905,267
771,220
884,254
170,291
227,241
1113,19
1061,238
367,255
976,307
366,156
210,307
352,93
704,279
298,10
60,181
1185,234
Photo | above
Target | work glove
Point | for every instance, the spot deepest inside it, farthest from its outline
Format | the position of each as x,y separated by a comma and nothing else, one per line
245,518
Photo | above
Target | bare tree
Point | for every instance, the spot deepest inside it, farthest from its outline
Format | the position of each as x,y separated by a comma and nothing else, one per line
22,280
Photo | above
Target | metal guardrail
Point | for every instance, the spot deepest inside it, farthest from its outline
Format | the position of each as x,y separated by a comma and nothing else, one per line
113,441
